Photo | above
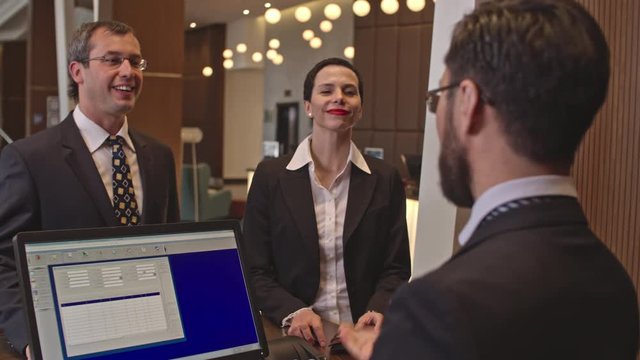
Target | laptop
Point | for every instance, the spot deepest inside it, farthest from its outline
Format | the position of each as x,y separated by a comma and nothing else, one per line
172,291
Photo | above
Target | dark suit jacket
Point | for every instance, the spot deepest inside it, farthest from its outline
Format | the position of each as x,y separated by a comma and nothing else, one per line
49,181
534,283
281,238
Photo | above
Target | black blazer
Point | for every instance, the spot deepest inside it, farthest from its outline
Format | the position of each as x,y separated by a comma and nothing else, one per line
534,283
281,238
49,181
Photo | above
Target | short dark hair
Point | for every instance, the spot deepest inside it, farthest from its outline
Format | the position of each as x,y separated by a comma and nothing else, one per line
311,76
542,64
80,45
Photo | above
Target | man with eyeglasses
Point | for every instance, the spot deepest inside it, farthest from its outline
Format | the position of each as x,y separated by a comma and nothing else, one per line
524,80
91,170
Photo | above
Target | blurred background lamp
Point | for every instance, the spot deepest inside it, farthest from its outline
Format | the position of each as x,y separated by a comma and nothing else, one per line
302,14
228,64
315,43
272,16
332,11
326,26
271,54
256,57
241,48
227,53
193,25
349,52
278,60
416,5
308,34
207,71
274,43
361,8
389,7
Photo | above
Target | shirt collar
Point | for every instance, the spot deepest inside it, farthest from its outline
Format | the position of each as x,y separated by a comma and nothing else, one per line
302,156
94,135
544,185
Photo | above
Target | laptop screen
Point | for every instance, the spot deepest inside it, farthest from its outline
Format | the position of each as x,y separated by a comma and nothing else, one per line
172,291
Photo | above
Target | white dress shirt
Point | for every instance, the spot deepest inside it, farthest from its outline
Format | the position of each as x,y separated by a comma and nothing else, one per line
545,185
330,205
94,137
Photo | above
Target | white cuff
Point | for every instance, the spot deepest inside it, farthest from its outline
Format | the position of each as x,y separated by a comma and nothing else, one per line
287,320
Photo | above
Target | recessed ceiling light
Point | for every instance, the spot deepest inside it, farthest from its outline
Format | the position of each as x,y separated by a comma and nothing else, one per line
193,25
245,12
267,5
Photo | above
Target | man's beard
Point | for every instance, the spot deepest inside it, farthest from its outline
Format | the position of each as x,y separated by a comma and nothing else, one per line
455,175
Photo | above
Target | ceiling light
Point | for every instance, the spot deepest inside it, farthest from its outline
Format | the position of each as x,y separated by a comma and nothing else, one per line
256,57
207,71
302,14
228,64
271,54
326,26
361,8
315,43
389,7
245,12
272,16
308,34
267,5
278,60
241,48
416,5
193,25
274,43
332,11
227,53
349,52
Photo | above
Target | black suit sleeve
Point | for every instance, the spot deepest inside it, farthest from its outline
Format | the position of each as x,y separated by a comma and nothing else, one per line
275,302
397,263
18,204
422,323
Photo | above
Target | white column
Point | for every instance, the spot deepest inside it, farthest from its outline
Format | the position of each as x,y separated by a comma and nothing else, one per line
436,216
64,26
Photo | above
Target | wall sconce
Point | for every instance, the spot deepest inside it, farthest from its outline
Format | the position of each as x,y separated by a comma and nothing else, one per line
361,8
326,26
389,7
272,16
349,52
416,5
302,14
332,11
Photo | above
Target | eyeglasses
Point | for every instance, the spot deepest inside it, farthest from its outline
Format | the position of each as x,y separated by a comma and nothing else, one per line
117,60
433,96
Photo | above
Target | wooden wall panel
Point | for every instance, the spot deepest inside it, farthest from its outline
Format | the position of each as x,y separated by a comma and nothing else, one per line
14,88
607,166
364,60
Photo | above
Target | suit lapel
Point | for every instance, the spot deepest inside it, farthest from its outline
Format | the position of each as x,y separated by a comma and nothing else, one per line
296,190
361,189
81,163
145,166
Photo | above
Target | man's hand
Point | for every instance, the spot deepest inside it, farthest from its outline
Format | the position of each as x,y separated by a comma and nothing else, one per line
370,318
358,342
307,325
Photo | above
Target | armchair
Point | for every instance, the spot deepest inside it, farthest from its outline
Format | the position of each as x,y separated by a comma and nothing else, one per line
212,204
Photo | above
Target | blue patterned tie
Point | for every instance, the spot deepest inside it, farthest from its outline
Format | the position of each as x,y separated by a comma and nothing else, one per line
124,197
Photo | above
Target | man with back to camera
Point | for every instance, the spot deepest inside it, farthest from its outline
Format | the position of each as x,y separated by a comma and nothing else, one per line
523,82
75,175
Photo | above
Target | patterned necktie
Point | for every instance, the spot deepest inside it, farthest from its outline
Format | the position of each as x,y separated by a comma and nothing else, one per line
124,197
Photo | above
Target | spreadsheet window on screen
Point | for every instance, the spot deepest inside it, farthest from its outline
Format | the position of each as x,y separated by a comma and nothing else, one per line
174,295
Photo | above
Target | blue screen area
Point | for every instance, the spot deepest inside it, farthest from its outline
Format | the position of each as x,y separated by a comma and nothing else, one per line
213,305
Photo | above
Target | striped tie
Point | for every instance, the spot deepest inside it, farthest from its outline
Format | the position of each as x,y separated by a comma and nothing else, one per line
124,197
515,204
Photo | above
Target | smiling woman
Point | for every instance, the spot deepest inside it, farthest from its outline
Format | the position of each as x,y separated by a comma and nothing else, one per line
312,257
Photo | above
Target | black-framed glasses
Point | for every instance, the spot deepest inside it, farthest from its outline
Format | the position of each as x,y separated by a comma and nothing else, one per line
115,60
433,96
